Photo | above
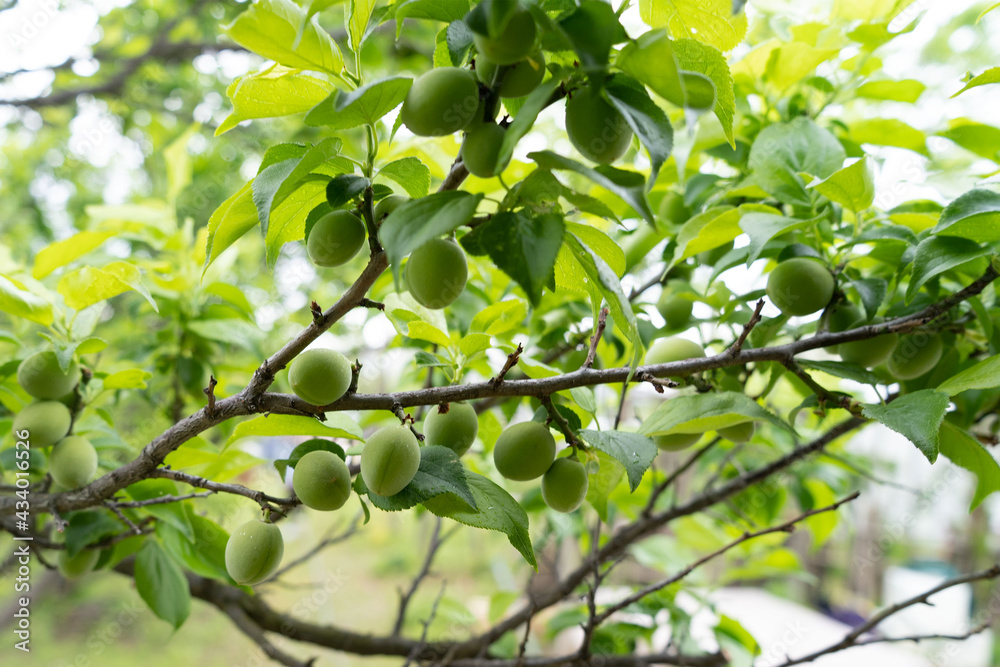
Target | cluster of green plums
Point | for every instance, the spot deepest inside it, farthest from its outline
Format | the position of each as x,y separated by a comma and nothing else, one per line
527,451
435,274
803,286
47,420
446,100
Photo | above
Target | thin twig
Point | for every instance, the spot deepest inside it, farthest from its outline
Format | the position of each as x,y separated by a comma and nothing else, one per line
680,470
556,416
602,321
737,346
404,598
512,359
322,544
209,391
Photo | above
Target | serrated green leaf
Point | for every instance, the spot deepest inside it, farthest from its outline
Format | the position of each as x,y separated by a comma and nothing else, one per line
852,187
497,510
694,56
699,413
984,374
18,301
915,416
89,285
963,450
937,254
271,28
336,426
629,186
365,105
634,451
974,215
272,93
708,21
161,584
411,174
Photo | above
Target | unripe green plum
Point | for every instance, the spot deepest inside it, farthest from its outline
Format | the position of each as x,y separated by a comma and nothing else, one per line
335,239
254,552
676,310
513,43
596,128
738,432
386,206
322,481
666,350
841,317
436,273
390,459
564,485
699,92
870,352
320,376
481,149
518,79
672,209
72,567
47,422
441,102
73,462
675,442
40,376
800,286
915,355
455,429
524,451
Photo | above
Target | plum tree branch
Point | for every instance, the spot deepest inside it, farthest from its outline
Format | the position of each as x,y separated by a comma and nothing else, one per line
254,398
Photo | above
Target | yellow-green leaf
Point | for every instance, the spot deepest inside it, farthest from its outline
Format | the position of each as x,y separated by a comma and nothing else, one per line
89,285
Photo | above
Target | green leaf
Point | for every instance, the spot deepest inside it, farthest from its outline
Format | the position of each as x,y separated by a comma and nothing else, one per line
872,292
161,584
792,62
440,472
524,120
635,452
358,13
916,416
432,10
983,375
416,222
992,75
694,56
288,219
888,132
270,28
904,90
205,554
89,285
965,451
132,378
707,230
231,220
975,215
603,482
336,426
646,119
345,188
629,186
709,21
983,140
841,370
497,510
63,252
501,317
603,279
937,254
314,445
592,29
275,183
411,174
173,513
762,227
524,248
274,92
18,301
852,187
474,343
87,528
365,105
584,397
784,150
651,60
698,413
